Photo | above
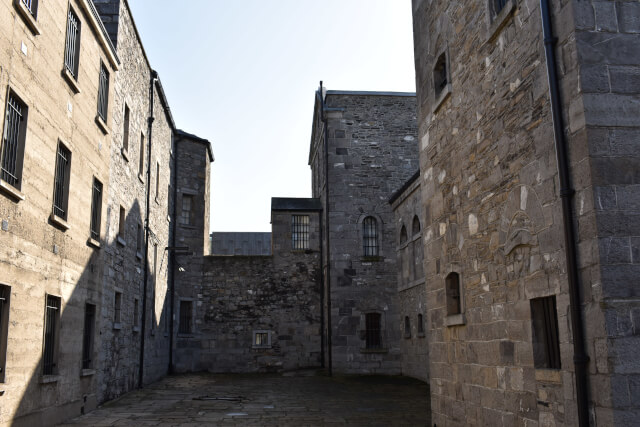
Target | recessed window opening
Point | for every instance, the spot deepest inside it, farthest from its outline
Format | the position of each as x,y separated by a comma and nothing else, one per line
185,214
454,302
370,236
121,223
261,339
300,231
15,129
186,317
117,307
103,92
61,182
407,326
440,74
415,227
5,295
157,180
31,5
96,209
403,235
136,312
125,136
139,238
373,332
87,339
51,335
72,44
141,159
420,324
546,344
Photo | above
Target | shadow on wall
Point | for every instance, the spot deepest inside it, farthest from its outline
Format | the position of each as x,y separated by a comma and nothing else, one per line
91,337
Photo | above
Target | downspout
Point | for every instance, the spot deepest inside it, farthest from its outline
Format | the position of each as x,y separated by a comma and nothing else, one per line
172,253
580,358
154,77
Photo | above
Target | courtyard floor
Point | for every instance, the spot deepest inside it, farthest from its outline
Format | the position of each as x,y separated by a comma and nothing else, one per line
271,400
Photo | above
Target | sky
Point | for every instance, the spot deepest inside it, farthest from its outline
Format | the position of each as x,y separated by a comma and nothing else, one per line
243,74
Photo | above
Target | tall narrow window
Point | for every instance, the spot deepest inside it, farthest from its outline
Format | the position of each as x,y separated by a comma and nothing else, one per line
117,308
415,227
185,214
373,333
546,345
103,92
89,333
440,74
300,231
454,303
157,180
141,164
51,335
403,235
186,317
13,139
407,327
370,236
125,133
5,296
121,223
61,182
96,209
72,45
420,324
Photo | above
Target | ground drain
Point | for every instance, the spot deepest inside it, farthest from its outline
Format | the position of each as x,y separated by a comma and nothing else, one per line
223,398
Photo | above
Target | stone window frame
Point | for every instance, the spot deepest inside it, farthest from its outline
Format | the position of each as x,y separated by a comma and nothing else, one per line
256,332
192,316
363,331
379,231
15,191
88,339
104,81
69,76
192,194
300,232
5,308
440,97
61,173
29,16
126,130
495,22
122,226
545,334
454,319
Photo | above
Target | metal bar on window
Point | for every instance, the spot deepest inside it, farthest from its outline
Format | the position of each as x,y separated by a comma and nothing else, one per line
11,141
96,209
61,182
103,92
370,237
185,317
71,44
51,320
300,231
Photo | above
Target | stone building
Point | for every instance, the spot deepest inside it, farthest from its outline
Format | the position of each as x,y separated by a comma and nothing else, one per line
363,148
511,308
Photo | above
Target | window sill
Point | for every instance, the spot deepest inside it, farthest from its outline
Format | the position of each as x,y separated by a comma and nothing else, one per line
261,347
11,191
372,259
28,18
500,21
121,241
140,178
102,125
59,222
117,326
70,80
374,350
49,379
442,97
455,320
87,372
549,375
93,242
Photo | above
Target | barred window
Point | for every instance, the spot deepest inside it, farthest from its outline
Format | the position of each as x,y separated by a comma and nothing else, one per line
88,336
103,92
72,44
454,302
13,141
370,236
186,317
187,205
51,335
32,6
96,209
5,295
373,332
544,331
300,231
61,182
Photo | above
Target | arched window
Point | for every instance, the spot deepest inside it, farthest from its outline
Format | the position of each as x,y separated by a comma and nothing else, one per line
454,302
403,235
370,236
420,324
415,228
407,327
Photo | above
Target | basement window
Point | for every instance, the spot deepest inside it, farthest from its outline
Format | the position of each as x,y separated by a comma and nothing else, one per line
544,331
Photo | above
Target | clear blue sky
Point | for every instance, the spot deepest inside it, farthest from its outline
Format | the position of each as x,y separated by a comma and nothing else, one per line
243,74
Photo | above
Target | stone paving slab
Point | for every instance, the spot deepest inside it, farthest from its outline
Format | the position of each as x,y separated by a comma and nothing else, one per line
268,400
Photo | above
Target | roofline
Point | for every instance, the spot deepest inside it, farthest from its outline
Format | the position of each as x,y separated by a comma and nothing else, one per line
398,193
369,93
196,138
103,36
135,29
163,100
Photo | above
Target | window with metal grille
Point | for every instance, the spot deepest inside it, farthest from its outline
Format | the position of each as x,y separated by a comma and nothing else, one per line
300,231
51,335
185,214
61,182
125,134
186,317
454,302
72,45
121,222
103,92
13,139
5,296
117,307
141,160
373,332
31,5
407,327
87,338
544,331
370,236
96,209
420,324
440,74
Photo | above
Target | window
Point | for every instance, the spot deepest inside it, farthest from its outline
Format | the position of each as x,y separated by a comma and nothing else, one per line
141,164
415,227
185,214
5,296
125,135
121,223
31,6
373,336
51,335
300,231
403,235
157,180
440,74
139,238
186,317
13,140
61,182
117,308
407,327
96,209
103,92
546,345
87,338
370,233
261,339
454,302
72,45
420,325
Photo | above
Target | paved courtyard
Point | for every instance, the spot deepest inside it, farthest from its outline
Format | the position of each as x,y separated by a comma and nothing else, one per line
273,400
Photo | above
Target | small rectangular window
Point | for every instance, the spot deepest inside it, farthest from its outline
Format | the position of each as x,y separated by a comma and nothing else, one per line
373,332
72,44
187,205
121,223
103,92
61,182
125,134
141,164
186,317
407,327
261,339
96,209
117,307
51,335
5,296
13,141
300,231
546,345
88,336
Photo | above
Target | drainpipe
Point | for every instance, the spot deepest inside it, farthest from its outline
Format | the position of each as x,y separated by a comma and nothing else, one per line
580,358
154,77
